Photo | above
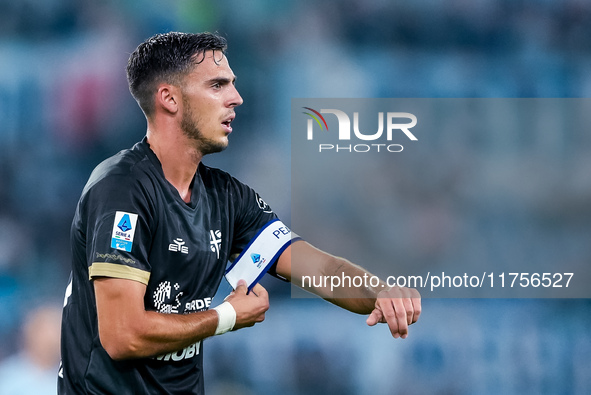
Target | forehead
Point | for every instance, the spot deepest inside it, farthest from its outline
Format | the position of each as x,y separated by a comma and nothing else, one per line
214,65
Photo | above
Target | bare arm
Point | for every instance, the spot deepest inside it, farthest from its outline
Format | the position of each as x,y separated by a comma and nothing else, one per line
399,307
321,265
127,330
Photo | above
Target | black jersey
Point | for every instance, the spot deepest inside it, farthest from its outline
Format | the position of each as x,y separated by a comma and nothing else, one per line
131,223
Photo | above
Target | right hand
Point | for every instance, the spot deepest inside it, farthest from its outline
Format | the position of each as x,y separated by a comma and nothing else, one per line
250,306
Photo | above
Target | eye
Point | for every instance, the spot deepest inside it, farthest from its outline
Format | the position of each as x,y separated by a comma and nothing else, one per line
216,85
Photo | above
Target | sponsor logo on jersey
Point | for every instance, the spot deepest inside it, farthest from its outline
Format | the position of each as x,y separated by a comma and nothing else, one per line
198,304
123,231
215,241
185,353
163,300
178,245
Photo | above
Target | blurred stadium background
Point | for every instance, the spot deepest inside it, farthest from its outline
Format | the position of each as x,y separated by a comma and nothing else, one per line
64,106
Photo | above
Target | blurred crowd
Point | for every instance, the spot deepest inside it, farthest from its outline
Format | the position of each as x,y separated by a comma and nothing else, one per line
65,106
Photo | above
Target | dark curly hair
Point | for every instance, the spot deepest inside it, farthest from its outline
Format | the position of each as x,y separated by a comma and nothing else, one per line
166,58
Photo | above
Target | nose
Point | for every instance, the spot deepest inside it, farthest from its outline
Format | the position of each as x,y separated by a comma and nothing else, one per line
235,99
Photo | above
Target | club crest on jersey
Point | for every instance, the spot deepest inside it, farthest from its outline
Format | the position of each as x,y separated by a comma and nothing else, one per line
123,231
215,241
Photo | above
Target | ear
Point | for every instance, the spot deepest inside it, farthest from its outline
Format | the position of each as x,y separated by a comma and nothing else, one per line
167,98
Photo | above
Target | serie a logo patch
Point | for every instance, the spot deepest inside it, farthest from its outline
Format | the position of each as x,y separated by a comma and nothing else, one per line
123,231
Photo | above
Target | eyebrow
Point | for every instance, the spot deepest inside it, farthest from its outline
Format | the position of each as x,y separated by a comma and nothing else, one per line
222,80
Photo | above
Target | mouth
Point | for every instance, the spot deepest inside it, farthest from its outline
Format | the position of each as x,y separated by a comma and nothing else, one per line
226,123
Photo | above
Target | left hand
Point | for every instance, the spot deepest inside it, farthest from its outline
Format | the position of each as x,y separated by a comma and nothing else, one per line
399,307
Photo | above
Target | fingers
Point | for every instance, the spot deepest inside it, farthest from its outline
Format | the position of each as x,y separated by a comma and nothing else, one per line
260,291
241,287
412,304
375,317
250,306
400,318
416,305
399,308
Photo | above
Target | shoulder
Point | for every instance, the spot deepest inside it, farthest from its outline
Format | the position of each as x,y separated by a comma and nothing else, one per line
126,177
242,194
127,164
224,182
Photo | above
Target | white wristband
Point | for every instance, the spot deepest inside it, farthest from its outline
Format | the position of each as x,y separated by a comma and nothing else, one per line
226,318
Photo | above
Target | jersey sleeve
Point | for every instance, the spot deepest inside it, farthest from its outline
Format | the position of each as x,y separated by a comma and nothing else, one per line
252,217
119,212
252,214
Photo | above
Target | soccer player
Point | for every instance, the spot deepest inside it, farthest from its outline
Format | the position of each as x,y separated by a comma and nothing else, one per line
153,231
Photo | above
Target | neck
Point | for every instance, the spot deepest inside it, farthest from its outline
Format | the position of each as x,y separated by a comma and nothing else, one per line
179,159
